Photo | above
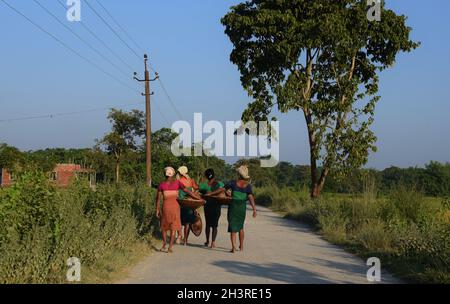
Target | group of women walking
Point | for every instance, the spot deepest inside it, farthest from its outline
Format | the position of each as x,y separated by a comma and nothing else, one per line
173,217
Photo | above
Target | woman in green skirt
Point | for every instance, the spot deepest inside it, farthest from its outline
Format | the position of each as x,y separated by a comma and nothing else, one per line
241,192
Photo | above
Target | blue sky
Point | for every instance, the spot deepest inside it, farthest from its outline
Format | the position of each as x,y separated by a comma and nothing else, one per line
187,46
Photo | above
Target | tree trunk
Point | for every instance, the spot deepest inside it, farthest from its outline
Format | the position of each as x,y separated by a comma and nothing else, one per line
117,171
317,185
316,191
314,184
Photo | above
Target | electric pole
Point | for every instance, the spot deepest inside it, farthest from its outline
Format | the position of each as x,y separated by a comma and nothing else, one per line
148,131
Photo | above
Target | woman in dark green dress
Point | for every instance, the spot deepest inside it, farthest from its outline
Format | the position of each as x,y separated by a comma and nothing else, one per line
213,209
241,192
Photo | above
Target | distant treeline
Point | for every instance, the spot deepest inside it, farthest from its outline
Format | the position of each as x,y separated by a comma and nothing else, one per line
432,180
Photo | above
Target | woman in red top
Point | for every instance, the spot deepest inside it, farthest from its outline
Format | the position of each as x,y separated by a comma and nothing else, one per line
188,216
170,215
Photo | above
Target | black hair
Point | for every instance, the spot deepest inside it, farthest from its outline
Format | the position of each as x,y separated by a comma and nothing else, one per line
209,174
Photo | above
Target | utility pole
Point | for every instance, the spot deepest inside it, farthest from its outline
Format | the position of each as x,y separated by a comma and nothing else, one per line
148,131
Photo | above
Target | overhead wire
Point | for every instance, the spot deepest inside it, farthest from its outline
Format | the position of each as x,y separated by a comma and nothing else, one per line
112,29
121,27
170,99
80,38
90,31
161,83
65,45
33,117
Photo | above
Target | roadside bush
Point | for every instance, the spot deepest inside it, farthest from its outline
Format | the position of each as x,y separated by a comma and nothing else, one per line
373,236
408,205
282,200
41,226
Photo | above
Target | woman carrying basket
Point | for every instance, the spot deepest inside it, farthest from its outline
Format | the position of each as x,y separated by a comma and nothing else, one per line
212,208
170,214
188,216
241,192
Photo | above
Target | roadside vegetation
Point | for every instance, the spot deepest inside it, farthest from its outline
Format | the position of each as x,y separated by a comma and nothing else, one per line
42,226
409,232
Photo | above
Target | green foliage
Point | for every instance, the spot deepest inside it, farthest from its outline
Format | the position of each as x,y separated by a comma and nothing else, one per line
408,232
41,227
127,128
406,205
321,58
10,157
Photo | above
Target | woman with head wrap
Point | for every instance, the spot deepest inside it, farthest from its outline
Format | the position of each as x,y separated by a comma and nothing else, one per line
170,214
241,192
212,208
188,216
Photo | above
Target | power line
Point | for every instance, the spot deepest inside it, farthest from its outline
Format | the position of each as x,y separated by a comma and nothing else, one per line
170,99
80,38
66,46
66,113
121,27
161,112
102,42
166,93
112,29
79,55
34,117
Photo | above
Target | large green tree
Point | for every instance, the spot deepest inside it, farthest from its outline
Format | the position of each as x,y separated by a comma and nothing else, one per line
321,58
127,128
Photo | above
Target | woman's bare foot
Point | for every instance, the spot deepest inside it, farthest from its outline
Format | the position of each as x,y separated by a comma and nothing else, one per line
241,248
170,250
178,241
163,248
233,250
213,245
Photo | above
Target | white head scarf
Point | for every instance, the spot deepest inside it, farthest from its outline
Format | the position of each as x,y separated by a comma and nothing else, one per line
169,171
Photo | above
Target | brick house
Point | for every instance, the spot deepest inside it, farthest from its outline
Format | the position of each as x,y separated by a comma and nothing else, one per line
62,175
5,177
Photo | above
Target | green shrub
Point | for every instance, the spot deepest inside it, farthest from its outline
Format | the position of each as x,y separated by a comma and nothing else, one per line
408,205
283,200
41,226
373,236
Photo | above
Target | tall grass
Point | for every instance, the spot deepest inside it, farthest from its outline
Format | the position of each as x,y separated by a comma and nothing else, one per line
409,232
42,226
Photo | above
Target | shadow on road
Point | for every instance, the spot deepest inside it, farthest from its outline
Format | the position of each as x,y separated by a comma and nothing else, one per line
273,271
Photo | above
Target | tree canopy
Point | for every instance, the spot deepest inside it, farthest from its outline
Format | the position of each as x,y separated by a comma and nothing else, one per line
127,128
321,58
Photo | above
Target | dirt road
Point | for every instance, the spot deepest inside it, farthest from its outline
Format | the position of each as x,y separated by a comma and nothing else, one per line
277,251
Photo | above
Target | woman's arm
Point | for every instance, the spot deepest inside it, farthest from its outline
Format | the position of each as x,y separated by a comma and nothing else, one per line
195,185
158,204
251,199
217,192
192,194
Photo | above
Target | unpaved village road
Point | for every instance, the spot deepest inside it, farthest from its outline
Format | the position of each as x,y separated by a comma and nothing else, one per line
277,251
